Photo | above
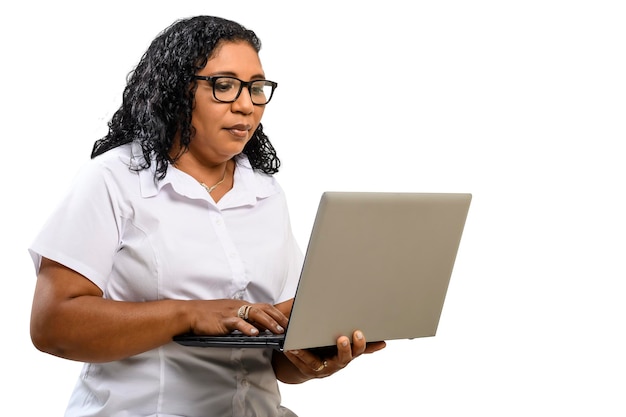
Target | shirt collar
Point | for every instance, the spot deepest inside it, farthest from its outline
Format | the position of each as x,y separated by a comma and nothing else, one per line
249,186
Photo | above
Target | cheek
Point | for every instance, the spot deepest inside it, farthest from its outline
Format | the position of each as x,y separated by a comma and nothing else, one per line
258,114
203,119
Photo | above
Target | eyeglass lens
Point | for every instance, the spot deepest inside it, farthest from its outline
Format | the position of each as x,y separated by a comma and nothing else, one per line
227,89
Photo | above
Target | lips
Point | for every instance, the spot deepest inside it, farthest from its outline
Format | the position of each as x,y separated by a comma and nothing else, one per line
239,130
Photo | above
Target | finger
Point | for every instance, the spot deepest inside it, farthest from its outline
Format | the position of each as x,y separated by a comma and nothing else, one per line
322,366
244,313
309,364
347,352
358,343
267,317
344,353
235,323
276,314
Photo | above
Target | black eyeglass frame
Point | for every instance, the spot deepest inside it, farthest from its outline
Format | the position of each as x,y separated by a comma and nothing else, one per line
242,84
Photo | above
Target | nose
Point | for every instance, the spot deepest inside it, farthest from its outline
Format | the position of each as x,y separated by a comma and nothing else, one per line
243,104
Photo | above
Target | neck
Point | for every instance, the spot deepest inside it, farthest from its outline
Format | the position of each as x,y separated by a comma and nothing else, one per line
210,188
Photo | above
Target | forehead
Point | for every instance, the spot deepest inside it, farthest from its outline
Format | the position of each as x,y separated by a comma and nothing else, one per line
234,57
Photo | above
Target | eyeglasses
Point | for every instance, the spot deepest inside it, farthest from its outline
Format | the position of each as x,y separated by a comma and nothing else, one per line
228,89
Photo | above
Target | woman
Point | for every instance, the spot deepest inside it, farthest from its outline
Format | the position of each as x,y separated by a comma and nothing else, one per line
177,225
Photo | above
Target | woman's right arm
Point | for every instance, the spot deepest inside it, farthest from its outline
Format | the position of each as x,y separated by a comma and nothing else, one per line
70,318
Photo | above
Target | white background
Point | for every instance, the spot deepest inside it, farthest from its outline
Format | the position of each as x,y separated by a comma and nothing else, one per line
521,103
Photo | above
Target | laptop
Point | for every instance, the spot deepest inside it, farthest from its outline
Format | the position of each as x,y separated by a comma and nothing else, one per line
379,262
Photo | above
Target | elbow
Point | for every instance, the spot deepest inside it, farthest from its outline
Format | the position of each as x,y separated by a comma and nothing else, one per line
39,339
41,344
43,339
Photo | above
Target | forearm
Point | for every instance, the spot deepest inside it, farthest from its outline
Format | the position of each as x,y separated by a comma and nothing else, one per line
71,319
92,329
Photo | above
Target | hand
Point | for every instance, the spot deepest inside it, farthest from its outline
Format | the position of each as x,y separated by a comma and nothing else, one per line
313,366
224,316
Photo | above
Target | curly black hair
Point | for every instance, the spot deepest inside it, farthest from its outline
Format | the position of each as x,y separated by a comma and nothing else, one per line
160,91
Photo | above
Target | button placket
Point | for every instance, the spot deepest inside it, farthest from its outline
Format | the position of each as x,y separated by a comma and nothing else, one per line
232,255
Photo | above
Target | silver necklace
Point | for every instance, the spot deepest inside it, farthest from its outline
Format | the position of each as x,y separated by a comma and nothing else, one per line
214,186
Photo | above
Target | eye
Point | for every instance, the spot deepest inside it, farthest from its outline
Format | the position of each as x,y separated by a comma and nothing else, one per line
224,85
259,88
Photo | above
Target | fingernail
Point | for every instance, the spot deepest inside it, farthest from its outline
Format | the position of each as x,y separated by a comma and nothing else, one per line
359,335
254,331
344,343
279,328
295,352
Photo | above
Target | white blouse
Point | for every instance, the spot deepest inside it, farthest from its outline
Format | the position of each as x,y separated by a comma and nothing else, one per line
138,240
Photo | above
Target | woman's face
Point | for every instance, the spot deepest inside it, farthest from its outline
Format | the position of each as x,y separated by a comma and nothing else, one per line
223,129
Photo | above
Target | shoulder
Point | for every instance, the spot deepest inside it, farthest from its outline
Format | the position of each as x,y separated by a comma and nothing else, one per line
109,170
121,160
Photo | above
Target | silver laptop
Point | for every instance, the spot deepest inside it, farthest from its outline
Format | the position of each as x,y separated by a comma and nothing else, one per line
378,262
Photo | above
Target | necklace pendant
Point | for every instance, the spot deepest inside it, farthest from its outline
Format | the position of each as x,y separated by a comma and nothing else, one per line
214,186
209,189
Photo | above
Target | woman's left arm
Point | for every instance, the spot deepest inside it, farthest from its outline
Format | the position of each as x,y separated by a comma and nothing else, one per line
297,366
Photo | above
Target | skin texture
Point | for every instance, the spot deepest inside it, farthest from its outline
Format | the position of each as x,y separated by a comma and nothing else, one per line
222,129
70,318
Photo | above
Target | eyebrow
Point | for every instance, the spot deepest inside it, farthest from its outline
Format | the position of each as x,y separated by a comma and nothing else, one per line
232,74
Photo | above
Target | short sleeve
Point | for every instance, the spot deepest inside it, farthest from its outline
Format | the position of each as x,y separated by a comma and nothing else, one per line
83,231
